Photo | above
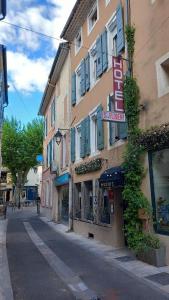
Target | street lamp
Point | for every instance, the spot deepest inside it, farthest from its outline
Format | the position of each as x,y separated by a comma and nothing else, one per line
58,135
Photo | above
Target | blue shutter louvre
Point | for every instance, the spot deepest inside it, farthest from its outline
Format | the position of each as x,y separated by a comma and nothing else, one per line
110,123
72,144
122,130
87,135
82,140
104,50
74,88
47,157
120,30
87,69
99,64
100,129
82,78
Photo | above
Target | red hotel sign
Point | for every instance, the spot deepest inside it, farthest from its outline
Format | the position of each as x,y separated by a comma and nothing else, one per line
118,83
113,116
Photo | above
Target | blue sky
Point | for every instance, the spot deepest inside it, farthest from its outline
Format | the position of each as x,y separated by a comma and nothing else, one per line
30,56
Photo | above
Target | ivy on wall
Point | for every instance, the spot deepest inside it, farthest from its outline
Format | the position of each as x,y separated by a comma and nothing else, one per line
93,165
134,170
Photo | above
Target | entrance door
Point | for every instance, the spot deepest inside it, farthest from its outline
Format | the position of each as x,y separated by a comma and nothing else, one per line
65,204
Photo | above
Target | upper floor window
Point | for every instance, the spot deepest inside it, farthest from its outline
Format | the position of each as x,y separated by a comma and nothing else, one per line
93,17
64,151
52,113
112,40
78,86
46,126
162,68
93,66
93,131
78,141
78,41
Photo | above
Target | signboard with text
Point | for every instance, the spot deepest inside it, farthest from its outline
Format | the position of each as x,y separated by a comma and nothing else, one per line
117,64
113,116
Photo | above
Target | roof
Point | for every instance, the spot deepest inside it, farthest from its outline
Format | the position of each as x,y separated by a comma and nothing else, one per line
77,17
58,63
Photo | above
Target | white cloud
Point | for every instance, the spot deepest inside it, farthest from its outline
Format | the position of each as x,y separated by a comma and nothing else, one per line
28,75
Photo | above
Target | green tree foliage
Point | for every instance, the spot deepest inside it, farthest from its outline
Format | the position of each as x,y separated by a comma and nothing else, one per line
20,146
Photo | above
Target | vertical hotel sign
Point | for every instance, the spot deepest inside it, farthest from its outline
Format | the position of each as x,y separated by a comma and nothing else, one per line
117,63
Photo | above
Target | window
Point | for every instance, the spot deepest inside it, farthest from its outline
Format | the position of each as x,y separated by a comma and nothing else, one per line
52,113
46,126
78,41
88,205
78,141
64,151
78,201
93,64
159,166
105,209
112,40
92,17
78,87
93,132
162,68
107,2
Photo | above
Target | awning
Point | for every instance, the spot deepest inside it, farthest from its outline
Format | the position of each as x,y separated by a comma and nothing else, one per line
62,179
113,177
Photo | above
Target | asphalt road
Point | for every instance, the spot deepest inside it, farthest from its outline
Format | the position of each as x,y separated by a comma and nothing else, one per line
44,265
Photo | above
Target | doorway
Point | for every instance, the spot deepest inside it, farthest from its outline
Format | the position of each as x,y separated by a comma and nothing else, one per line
65,204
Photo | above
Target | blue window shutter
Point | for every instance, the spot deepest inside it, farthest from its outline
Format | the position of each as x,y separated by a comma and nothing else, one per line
87,69
82,140
122,130
72,144
104,50
47,156
46,126
50,147
87,136
100,129
110,123
120,29
74,88
99,64
82,78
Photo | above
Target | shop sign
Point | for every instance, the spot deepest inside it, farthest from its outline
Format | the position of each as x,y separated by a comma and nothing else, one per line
113,116
117,64
106,184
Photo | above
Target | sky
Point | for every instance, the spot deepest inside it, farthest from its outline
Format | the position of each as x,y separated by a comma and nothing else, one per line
29,55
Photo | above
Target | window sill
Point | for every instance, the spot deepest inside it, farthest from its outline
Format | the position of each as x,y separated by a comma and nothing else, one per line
117,144
94,154
93,223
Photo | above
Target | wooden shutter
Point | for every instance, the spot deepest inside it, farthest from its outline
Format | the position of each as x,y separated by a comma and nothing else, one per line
87,135
87,69
82,140
120,30
99,64
104,50
73,144
82,78
74,88
110,123
100,129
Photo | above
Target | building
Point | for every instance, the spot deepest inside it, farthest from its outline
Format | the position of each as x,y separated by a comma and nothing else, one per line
95,32
32,187
6,186
55,107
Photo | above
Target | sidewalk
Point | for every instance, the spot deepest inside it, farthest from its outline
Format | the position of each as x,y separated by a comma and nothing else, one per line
156,277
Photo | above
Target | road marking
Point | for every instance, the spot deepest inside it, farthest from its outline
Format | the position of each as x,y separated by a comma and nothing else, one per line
74,283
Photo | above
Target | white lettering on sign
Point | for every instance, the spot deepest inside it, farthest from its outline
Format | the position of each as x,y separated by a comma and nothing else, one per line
113,116
118,83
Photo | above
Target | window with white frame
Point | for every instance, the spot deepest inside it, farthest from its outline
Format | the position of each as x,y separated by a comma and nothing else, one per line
93,16
112,39
93,64
64,151
52,111
93,132
78,41
78,141
107,2
78,88
162,69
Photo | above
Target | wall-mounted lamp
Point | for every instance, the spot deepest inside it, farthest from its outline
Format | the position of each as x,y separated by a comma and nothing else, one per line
58,135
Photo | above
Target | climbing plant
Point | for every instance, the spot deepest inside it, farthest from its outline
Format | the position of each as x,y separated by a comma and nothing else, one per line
133,160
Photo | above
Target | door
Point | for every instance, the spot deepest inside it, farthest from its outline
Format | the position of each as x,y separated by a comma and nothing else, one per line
65,204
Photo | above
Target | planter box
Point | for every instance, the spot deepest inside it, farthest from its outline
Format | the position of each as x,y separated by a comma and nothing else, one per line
155,257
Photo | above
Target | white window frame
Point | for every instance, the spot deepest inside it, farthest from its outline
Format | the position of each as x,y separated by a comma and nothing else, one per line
93,133
93,59
110,37
107,2
92,11
78,142
77,48
162,75
78,94
52,111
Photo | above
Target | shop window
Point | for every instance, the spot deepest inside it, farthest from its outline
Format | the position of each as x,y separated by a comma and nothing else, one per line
78,201
159,166
162,68
93,17
88,201
105,210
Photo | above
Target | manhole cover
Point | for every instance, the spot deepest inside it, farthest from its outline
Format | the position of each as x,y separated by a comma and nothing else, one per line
125,258
162,278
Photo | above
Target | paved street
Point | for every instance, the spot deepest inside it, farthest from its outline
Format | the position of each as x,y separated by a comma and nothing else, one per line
45,264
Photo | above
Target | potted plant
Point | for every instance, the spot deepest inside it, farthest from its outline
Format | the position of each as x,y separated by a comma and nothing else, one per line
151,251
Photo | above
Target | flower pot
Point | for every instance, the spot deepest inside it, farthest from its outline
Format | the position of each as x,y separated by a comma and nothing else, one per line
155,257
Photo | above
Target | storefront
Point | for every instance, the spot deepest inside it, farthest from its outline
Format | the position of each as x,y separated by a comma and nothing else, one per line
62,185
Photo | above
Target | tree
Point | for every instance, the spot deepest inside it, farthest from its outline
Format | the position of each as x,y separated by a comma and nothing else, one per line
20,146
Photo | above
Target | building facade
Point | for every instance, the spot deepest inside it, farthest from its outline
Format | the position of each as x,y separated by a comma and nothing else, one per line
55,109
